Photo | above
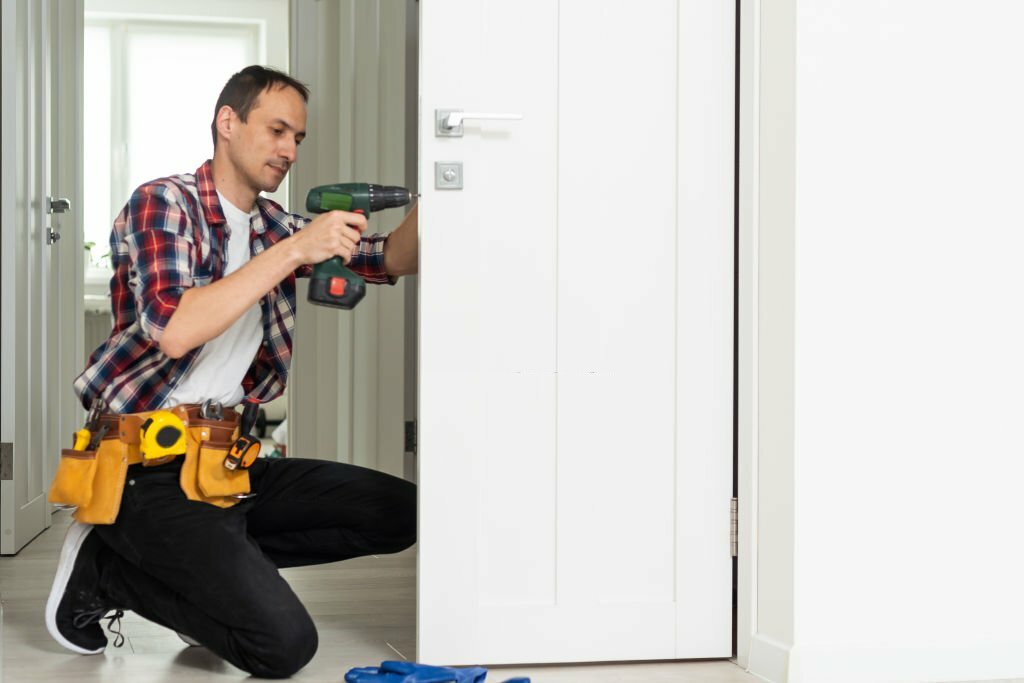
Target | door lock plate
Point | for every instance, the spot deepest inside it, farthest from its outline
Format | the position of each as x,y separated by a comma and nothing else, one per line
448,175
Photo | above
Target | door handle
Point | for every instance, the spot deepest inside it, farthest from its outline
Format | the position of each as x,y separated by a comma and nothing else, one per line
58,205
449,121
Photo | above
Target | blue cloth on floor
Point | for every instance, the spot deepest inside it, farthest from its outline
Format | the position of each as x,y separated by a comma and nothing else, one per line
412,672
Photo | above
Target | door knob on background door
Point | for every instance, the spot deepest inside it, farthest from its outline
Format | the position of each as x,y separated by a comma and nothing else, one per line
58,205
449,121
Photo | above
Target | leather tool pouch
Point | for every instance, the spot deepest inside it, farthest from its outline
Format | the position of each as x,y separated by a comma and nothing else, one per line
203,475
72,482
92,480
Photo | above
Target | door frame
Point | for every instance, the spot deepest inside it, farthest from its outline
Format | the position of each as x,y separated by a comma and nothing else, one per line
766,87
747,306
68,180
746,330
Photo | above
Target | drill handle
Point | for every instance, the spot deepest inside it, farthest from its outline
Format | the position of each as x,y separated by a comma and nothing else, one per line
334,285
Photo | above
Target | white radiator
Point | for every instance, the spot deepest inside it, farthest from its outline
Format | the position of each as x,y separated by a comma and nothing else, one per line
97,328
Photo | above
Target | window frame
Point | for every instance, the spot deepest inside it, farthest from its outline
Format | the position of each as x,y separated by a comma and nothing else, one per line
122,27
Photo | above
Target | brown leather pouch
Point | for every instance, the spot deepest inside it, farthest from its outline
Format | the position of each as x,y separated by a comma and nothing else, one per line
203,475
107,484
72,482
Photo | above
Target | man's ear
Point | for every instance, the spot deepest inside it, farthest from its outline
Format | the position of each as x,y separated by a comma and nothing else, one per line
226,119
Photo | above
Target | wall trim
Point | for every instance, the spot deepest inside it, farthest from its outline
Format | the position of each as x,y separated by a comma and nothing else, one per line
842,663
769,659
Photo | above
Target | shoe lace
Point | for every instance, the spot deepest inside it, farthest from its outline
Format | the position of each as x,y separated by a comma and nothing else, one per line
114,626
86,617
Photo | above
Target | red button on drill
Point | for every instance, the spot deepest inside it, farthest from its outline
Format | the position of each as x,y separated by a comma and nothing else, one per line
337,286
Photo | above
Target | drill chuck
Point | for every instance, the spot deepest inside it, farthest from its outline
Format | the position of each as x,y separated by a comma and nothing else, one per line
388,197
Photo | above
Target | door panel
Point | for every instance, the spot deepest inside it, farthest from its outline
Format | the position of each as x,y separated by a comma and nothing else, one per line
35,355
26,269
575,435
616,292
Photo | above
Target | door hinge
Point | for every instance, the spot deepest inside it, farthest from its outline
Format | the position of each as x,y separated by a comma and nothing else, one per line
734,527
6,461
410,436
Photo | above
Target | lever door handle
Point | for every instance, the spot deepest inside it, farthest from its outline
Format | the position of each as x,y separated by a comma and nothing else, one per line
58,205
449,121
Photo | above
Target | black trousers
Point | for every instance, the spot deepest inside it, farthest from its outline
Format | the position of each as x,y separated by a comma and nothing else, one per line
212,573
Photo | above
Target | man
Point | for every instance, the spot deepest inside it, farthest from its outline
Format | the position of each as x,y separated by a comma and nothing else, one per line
203,295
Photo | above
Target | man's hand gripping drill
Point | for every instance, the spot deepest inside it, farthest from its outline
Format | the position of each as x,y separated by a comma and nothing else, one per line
332,284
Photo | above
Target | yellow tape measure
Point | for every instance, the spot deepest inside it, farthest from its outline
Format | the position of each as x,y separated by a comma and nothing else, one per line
161,435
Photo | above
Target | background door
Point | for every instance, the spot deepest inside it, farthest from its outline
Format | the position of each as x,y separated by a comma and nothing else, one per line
576,332
41,255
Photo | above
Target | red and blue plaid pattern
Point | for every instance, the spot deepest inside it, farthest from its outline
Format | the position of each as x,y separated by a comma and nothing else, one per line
172,235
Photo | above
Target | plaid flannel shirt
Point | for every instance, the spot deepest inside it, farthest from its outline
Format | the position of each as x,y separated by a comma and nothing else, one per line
172,235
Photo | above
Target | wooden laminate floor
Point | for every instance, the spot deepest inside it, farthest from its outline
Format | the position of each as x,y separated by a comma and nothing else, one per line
364,610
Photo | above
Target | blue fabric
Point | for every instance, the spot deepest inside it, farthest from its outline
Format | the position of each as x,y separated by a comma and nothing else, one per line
411,672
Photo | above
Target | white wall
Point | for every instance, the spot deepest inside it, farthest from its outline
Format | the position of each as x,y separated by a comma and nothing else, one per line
907,235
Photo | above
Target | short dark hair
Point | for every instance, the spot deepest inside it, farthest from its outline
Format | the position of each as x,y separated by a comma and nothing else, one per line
242,90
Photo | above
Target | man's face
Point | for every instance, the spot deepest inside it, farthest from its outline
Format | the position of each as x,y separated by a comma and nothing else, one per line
264,147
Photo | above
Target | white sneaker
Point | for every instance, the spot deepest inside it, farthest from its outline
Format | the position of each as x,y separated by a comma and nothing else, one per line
73,611
188,640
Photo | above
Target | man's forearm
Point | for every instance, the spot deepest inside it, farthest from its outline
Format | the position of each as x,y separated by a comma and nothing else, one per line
205,312
401,250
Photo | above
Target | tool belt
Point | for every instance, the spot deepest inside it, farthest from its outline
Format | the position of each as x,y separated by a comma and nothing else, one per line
93,480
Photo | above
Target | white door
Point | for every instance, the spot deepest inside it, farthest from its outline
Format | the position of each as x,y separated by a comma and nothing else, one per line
576,332
36,262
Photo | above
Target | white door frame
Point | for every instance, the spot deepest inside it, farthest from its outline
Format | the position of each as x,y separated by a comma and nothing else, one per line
69,181
746,293
767,89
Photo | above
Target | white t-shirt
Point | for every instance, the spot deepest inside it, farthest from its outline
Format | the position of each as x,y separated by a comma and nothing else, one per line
223,361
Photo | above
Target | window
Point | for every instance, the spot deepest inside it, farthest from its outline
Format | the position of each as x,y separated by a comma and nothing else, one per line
151,85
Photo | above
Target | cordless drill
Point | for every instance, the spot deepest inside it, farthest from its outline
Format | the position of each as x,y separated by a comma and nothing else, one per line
332,284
